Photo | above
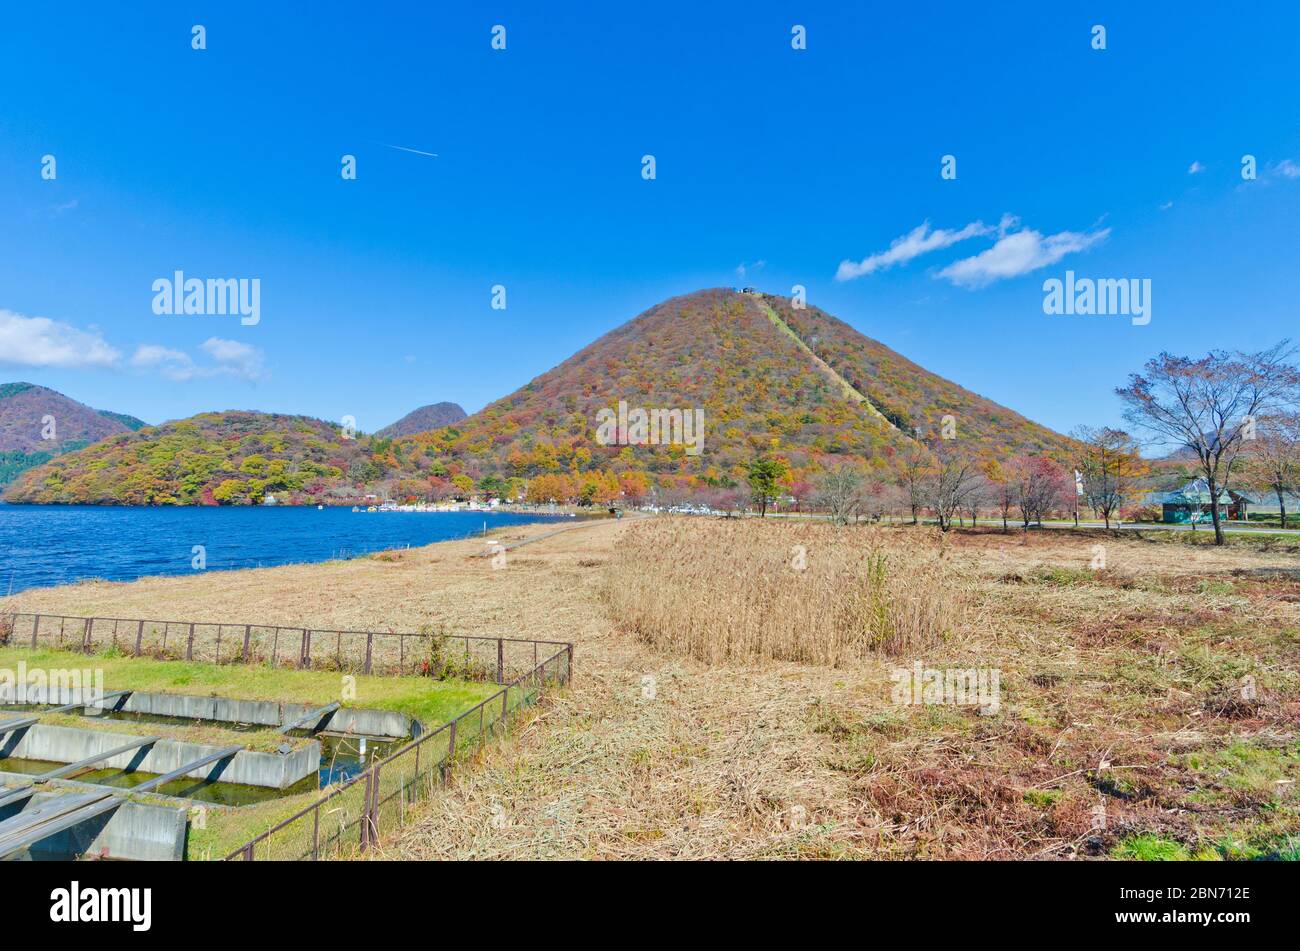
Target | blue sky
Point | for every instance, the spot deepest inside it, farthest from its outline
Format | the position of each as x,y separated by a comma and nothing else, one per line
375,293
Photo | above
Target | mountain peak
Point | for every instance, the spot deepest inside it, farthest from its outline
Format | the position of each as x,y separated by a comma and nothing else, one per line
770,374
432,416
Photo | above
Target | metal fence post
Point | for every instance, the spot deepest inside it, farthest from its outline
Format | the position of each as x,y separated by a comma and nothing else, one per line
451,751
36,626
365,811
248,633
85,635
139,637
374,803
370,647
501,660
189,645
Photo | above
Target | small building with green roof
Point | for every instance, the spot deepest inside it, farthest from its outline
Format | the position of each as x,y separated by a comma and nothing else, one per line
1191,504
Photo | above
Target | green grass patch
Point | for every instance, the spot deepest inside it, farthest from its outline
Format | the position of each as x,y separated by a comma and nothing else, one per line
1215,588
1249,767
1150,848
433,702
1041,798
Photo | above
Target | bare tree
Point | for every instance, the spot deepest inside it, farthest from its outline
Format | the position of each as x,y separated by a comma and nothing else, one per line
914,467
1273,457
880,498
840,491
951,480
1206,405
981,493
1006,497
1111,464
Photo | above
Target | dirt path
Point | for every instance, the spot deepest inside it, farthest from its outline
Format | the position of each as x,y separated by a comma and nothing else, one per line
646,756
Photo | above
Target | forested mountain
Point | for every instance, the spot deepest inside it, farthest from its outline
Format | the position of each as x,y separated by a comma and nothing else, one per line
433,416
213,458
799,384
37,424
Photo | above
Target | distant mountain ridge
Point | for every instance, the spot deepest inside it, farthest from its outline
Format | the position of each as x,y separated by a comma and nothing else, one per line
433,416
233,457
130,422
37,424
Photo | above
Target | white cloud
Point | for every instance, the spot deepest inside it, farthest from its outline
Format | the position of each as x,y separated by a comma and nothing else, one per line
42,342
742,268
1019,253
173,364
916,242
1288,168
234,358
1195,168
230,358
1165,206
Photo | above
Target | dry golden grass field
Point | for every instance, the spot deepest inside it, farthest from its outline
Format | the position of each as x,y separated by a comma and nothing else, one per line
728,704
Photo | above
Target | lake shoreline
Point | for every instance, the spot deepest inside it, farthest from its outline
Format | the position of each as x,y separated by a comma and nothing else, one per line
43,546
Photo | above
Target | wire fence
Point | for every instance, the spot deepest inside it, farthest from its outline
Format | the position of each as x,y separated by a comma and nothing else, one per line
437,654
347,819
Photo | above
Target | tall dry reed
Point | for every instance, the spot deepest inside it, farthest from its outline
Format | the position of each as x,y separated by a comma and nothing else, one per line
738,590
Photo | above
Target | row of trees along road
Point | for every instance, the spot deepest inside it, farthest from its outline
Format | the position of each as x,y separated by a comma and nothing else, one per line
1234,413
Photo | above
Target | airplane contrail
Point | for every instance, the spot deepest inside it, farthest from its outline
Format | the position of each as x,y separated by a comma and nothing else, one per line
402,148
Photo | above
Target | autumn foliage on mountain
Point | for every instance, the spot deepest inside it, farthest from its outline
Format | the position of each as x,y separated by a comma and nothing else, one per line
745,360
792,384
212,458
37,424
433,416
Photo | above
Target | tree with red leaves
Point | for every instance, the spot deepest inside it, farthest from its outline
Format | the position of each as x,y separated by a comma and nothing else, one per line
1039,485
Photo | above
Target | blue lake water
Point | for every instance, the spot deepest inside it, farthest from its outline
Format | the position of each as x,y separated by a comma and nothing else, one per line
48,545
